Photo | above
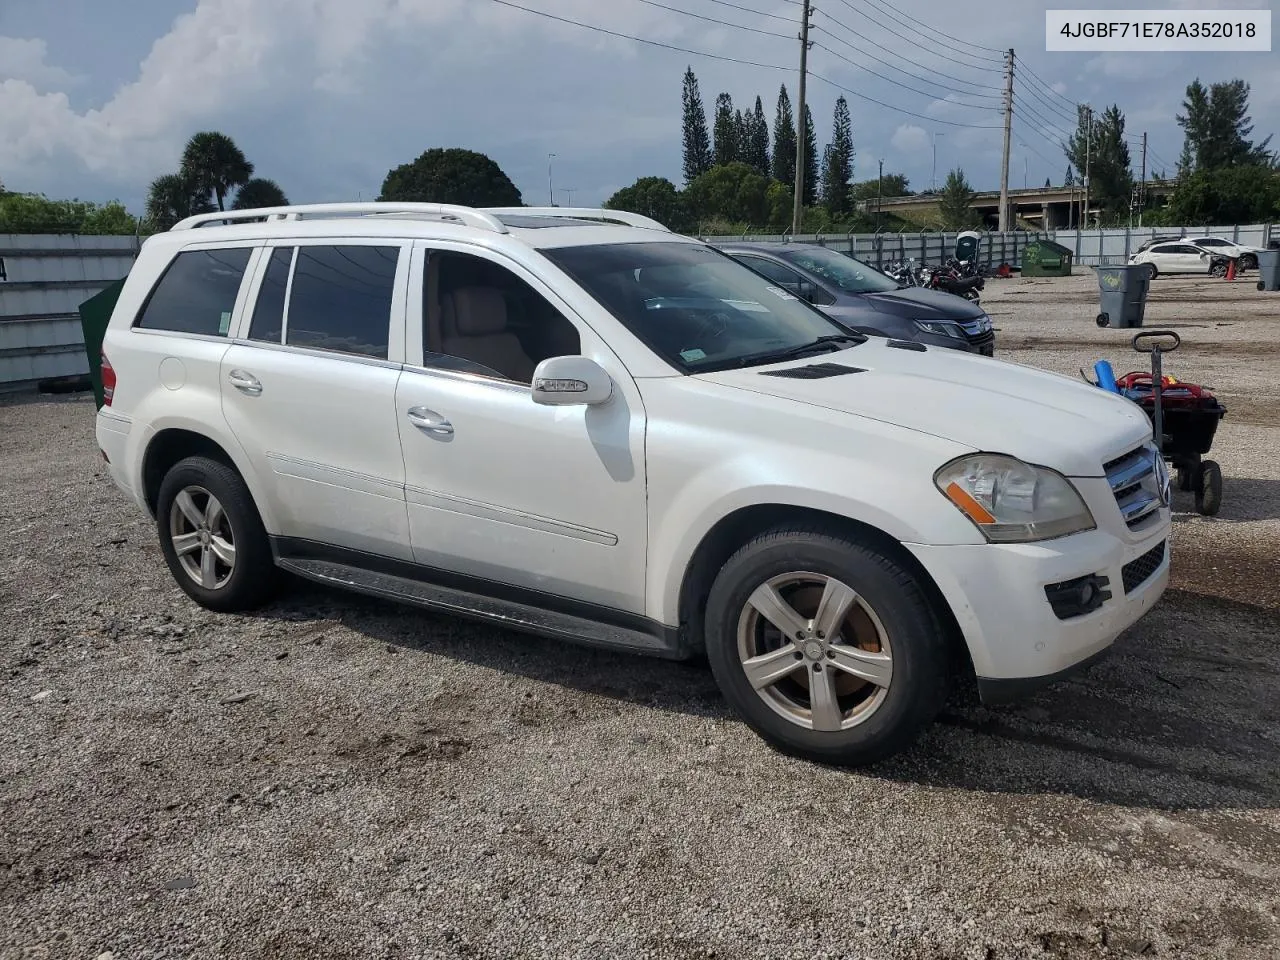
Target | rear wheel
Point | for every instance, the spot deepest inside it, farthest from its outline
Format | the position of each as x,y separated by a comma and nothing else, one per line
827,648
1209,489
1248,261
212,537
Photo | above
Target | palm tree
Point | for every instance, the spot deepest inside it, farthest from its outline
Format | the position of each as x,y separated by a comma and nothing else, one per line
259,192
215,165
173,197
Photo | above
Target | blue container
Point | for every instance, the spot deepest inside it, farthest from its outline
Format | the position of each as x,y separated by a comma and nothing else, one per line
1106,376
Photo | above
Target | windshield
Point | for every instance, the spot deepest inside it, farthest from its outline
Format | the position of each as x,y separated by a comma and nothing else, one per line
695,307
850,275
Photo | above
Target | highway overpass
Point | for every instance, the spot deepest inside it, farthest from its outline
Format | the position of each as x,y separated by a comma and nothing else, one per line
1043,207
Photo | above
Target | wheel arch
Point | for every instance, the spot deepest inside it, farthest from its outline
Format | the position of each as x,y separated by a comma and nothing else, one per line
171,444
736,528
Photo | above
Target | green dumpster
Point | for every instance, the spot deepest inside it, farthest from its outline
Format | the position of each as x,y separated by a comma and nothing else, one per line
95,314
1044,258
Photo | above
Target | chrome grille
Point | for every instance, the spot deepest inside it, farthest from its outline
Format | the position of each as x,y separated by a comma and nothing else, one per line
1139,482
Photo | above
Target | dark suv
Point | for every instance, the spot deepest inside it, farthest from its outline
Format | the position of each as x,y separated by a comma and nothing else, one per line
862,298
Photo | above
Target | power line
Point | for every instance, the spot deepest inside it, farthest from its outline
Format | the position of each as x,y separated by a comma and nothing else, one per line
723,23
889,106
885,10
1067,100
758,13
852,46
923,93
652,43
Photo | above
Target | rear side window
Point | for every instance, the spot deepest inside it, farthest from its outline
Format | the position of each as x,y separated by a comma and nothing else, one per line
268,313
341,299
197,293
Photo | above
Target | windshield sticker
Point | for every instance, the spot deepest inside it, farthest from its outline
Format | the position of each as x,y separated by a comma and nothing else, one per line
780,293
224,322
693,355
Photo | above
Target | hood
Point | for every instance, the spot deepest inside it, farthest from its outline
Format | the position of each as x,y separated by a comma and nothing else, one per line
987,405
918,303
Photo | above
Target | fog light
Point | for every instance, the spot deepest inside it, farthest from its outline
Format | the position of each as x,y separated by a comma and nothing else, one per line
1075,598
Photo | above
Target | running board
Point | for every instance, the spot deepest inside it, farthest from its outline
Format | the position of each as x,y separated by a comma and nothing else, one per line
503,613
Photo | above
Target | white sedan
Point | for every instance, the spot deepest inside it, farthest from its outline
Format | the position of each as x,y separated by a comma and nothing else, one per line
1247,255
1175,257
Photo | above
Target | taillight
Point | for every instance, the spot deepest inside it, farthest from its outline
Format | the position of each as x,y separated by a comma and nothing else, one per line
108,381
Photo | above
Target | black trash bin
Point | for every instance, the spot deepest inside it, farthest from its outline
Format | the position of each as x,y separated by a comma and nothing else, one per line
1269,269
1122,295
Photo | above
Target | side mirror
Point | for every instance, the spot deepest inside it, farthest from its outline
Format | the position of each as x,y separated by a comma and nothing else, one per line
571,381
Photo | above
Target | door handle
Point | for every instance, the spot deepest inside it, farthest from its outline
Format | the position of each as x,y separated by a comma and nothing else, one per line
430,421
245,382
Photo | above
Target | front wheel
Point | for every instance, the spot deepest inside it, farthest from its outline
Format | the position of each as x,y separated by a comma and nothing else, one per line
1218,270
212,537
1152,272
1209,489
827,648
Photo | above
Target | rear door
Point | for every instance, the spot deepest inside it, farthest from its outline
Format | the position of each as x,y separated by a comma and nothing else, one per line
309,388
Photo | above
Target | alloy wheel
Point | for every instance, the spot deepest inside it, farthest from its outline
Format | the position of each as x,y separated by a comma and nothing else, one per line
815,651
202,537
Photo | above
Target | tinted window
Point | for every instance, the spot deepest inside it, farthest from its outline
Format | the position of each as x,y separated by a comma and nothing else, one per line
341,299
197,293
268,313
1212,243
775,272
850,275
481,318
695,307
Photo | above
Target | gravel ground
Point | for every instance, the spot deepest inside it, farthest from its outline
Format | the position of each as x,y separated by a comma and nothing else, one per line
341,778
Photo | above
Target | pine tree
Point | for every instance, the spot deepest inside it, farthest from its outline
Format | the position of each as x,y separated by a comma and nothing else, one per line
725,131
758,144
955,203
1070,180
810,196
837,166
1099,142
742,136
697,143
784,141
1217,126
1047,183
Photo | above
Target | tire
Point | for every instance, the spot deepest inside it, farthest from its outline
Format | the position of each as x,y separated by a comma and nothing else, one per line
1152,272
903,650
1186,479
251,576
1218,270
1249,261
1209,489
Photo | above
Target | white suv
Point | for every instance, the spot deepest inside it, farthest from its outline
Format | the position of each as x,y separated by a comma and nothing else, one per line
608,433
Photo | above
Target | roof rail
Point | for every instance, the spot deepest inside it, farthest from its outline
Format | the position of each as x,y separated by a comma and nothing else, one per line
581,213
468,215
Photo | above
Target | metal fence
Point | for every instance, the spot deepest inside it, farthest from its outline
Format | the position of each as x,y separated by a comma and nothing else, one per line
43,280
1091,247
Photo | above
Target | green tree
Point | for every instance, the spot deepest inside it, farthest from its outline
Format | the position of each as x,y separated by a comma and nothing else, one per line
757,146
725,131
655,197
784,141
215,165
810,195
451,175
779,202
1047,183
1070,179
1227,194
894,185
1216,128
35,213
174,197
697,142
1098,146
837,162
955,202
736,192
258,193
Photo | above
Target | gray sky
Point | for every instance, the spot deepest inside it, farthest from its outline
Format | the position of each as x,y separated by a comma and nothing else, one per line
325,96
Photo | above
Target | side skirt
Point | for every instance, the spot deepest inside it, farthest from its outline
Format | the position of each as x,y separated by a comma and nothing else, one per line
487,601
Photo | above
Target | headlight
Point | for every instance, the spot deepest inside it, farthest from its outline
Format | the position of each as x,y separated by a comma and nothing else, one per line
1011,501
940,327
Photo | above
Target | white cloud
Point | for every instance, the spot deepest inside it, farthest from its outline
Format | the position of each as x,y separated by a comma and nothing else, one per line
25,60
909,139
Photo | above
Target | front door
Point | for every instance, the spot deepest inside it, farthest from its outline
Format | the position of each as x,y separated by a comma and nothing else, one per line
309,390
547,499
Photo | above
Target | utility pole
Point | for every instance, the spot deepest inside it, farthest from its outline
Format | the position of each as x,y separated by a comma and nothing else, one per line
1008,127
1088,147
879,194
551,190
1142,194
933,179
797,207
569,191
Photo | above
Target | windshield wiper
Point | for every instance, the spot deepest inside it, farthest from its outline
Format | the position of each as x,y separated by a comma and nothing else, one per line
773,356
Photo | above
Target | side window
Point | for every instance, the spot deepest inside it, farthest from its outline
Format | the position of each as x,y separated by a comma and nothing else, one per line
341,299
481,318
789,279
197,293
268,312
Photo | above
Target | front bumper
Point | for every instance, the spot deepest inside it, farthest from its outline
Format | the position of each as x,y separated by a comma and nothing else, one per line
1016,639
